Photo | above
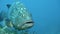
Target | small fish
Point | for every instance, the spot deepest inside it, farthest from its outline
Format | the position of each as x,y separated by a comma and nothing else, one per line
19,17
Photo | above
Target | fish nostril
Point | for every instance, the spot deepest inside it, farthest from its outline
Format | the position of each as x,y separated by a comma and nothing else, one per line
29,22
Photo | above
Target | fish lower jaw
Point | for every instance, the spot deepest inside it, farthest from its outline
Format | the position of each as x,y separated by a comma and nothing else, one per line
26,26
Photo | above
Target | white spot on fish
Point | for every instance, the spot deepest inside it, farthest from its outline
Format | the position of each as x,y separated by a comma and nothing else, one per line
22,8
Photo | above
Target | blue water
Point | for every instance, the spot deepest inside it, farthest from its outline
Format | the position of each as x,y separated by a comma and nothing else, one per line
45,13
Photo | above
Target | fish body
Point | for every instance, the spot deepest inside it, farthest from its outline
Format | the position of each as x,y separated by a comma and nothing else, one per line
17,18
20,17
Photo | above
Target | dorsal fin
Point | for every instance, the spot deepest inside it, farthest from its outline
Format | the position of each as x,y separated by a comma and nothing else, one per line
8,5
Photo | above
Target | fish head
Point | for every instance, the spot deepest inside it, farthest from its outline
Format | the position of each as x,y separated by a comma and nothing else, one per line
20,16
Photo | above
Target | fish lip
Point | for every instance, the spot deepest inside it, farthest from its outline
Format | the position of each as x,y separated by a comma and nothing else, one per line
29,21
29,25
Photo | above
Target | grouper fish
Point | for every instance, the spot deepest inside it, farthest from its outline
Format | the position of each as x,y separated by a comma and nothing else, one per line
18,17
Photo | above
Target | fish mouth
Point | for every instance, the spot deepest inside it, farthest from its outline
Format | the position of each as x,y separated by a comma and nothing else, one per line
29,22
27,25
